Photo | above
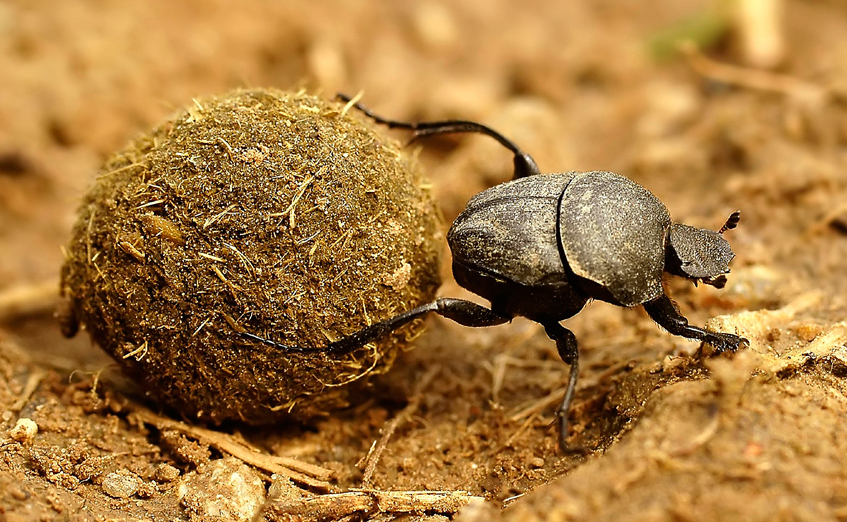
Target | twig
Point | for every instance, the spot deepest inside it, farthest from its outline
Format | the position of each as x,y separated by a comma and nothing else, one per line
343,237
298,471
141,351
498,375
210,221
88,228
353,101
335,506
513,498
233,288
223,143
132,250
31,385
121,169
28,299
290,210
151,203
204,323
244,260
828,219
212,258
414,403
520,430
537,405
751,78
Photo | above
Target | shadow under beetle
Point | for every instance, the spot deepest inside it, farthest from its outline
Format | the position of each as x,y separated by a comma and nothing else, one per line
540,246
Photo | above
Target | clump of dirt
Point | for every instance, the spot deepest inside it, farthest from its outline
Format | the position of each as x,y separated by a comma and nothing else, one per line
735,445
259,211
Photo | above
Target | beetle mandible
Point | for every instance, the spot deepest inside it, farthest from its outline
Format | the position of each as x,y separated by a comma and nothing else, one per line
542,245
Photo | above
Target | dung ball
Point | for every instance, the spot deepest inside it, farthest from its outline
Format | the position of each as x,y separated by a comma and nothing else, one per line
259,211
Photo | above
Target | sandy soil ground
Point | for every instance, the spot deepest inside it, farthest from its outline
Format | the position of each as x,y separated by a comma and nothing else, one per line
465,419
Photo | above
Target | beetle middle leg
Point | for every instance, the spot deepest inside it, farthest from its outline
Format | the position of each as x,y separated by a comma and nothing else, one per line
567,347
524,164
464,312
663,311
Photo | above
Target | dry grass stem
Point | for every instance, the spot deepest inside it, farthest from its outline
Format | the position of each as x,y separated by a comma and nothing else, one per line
32,382
414,403
298,471
752,78
28,299
372,502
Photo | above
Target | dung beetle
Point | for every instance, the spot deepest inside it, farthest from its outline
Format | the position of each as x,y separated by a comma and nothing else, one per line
542,245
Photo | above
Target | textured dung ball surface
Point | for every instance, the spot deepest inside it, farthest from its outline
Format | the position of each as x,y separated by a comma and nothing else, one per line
258,211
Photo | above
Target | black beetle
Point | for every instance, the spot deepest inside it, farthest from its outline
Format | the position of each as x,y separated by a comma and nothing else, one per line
540,246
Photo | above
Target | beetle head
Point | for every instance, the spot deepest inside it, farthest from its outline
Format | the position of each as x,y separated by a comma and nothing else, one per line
699,254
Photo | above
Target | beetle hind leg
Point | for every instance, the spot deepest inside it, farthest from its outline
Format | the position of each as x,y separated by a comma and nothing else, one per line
568,350
524,164
463,312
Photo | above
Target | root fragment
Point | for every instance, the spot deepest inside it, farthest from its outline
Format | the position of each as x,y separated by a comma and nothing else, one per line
300,472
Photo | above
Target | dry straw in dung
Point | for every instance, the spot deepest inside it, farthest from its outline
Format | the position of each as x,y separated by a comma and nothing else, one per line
262,211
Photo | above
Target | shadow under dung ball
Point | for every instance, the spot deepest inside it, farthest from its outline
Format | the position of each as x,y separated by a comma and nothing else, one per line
261,211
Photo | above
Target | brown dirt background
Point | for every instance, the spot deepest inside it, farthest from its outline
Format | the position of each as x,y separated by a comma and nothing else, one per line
669,435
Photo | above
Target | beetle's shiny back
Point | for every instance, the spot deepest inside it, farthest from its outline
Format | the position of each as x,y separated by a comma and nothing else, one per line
505,248
509,231
612,231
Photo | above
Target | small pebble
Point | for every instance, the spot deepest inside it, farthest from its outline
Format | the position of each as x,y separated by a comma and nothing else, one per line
224,490
166,473
537,462
808,332
24,431
121,484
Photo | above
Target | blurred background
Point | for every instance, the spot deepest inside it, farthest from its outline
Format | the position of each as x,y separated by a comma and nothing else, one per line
713,105
580,85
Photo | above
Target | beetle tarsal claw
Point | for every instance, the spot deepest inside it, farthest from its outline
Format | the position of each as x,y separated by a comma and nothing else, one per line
723,342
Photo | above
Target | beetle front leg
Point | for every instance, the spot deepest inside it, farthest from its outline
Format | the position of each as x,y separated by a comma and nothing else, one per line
664,312
567,346
463,312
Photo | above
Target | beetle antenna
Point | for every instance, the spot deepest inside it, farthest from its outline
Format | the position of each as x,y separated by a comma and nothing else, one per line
731,222
524,164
